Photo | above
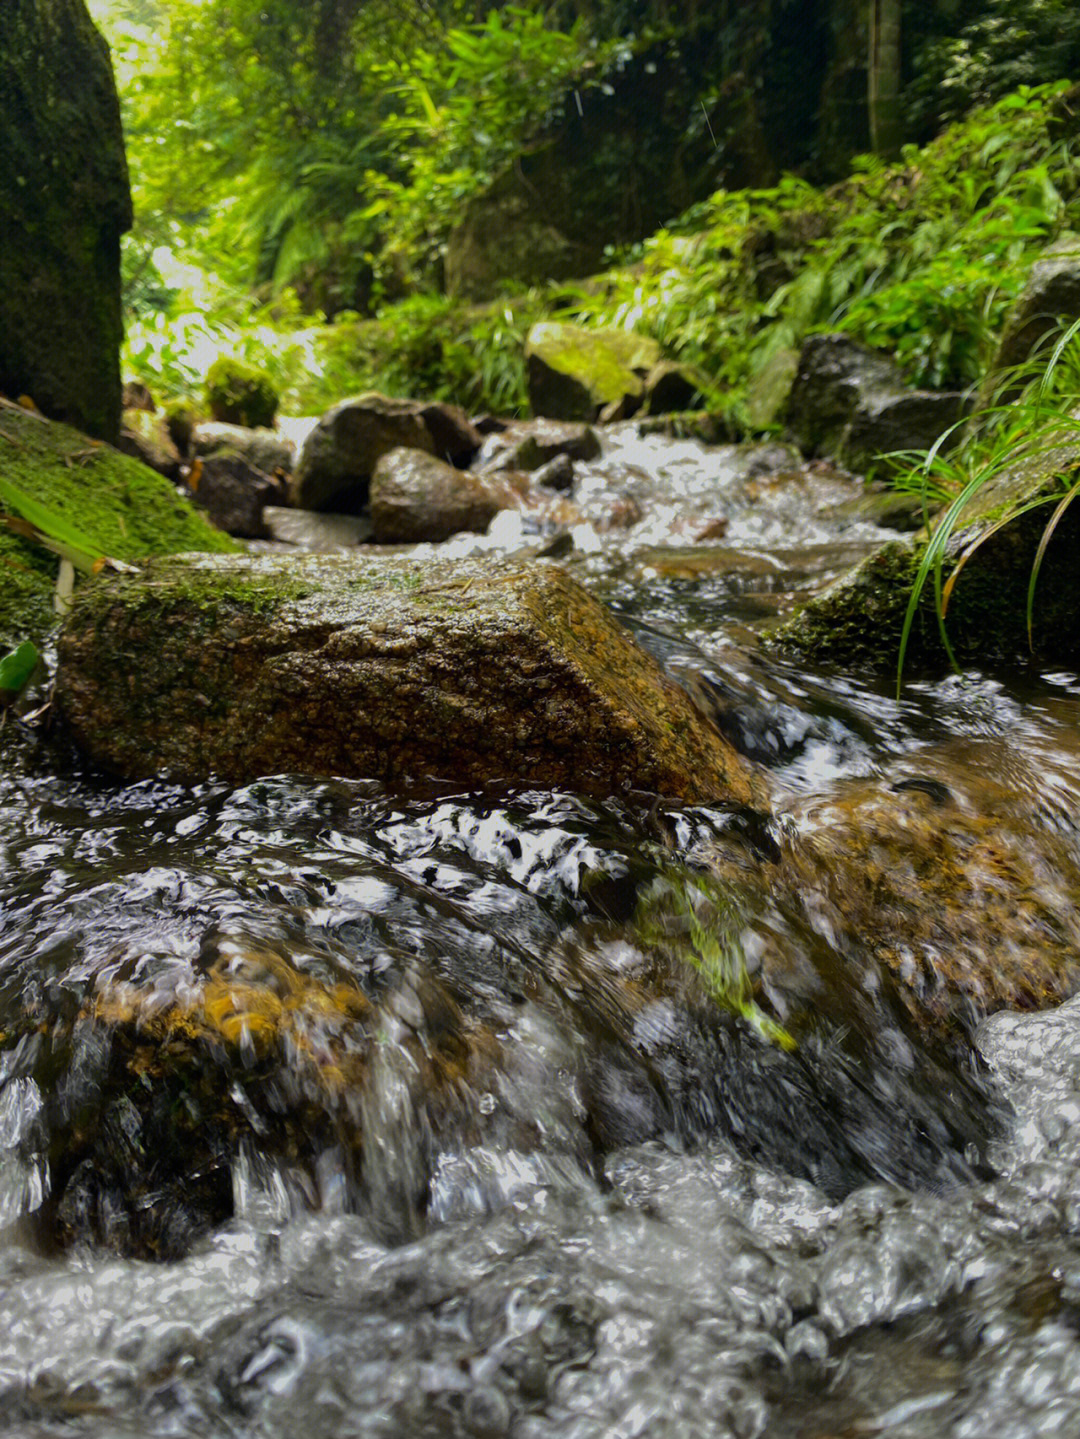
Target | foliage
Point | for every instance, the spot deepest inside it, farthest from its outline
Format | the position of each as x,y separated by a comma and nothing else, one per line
239,394
16,667
1003,45
698,919
1034,431
920,258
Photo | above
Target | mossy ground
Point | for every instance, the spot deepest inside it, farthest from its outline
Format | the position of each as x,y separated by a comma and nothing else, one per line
127,510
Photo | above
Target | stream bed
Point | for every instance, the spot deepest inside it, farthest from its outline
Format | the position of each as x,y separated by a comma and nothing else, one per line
522,1116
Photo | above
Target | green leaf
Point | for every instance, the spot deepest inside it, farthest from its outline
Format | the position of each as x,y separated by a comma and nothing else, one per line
17,667
55,532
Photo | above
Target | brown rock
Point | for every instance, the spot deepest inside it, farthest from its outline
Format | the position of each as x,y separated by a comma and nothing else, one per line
415,497
145,436
234,494
336,461
384,668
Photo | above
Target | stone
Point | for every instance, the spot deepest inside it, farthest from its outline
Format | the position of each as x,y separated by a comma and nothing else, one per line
531,444
233,493
145,436
1050,297
138,396
315,530
573,373
557,474
768,391
263,448
415,497
381,667
455,438
122,508
670,386
336,461
64,204
859,619
850,403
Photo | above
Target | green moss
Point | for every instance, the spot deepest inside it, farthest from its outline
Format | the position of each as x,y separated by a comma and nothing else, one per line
129,512
238,394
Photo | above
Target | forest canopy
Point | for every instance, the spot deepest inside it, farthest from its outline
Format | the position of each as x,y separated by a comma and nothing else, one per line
296,160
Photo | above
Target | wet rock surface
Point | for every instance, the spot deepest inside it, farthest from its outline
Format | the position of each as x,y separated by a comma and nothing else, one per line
233,493
851,403
336,460
416,497
379,669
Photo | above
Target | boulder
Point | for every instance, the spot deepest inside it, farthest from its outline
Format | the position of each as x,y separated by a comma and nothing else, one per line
670,386
557,474
531,444
383,667
336,461
573,373
262,448
145,436
233,493
860,617
123,510
851,403
455,438
64,204
1050,297
415,497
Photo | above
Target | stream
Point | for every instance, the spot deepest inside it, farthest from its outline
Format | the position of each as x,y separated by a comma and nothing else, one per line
664,1127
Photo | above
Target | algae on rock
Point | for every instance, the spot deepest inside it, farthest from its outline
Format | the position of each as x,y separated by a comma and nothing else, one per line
64,204
379,668
128,510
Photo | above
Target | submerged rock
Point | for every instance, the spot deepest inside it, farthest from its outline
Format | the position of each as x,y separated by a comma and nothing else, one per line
381,668
532,444
64,204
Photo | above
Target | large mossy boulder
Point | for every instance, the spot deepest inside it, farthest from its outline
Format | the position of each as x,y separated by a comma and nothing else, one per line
859,619
379,667
124,509
64,204
574,373
1050,298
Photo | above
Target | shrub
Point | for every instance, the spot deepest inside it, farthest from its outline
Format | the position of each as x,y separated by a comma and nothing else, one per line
239,394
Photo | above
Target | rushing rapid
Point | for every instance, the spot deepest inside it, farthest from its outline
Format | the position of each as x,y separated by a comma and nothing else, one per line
332,1110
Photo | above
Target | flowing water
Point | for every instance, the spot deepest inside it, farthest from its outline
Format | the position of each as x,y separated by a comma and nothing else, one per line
327,1111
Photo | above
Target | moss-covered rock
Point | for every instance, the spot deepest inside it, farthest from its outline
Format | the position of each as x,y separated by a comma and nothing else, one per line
860,618
238,394
64,203
127,510
383,668
574,373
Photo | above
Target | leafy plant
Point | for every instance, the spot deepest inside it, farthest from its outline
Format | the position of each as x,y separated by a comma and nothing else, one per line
16,667
1036,431
695,917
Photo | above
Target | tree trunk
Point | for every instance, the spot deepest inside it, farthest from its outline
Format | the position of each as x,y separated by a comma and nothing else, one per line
883,71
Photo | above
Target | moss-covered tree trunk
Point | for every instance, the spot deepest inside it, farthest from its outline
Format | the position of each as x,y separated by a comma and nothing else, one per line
64,204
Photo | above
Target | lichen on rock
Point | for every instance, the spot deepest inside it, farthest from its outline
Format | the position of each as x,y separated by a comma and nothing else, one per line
384,668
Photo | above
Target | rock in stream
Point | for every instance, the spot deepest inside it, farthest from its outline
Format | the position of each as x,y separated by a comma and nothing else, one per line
381,668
